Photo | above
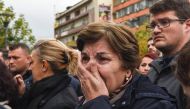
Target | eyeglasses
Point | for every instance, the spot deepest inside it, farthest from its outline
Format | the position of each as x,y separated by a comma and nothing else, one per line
163,23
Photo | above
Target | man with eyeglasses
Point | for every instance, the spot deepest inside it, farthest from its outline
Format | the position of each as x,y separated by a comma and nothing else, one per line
170,27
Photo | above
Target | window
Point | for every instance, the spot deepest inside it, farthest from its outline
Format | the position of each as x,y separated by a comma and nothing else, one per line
122,12
67,17
137,21
136,7
77,13
130,10
84,9
143,4
151,2
126,11
117,15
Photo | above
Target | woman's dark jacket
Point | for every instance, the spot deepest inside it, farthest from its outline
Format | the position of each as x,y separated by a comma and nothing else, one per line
139,94
53,93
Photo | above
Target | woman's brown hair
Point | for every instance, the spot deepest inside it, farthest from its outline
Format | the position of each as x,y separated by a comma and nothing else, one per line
122,41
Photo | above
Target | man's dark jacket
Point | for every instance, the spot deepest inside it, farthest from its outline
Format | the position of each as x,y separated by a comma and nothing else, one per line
161,74
20,102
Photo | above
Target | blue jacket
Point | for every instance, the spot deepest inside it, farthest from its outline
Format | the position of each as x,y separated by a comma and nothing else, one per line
139,94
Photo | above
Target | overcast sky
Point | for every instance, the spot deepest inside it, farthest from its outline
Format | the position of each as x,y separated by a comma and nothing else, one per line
40,14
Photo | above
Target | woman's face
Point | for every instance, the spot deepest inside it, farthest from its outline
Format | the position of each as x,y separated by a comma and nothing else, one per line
144,65
108,62
36,66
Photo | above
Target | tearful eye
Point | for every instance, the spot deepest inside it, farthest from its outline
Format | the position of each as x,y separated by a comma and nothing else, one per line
102,59
85,59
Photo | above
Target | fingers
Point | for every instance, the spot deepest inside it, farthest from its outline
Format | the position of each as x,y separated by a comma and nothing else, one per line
85,81
83,73
20,83
18,79
91,82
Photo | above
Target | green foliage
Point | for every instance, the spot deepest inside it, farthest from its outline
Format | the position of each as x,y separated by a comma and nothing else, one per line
14,29
21,32
142,36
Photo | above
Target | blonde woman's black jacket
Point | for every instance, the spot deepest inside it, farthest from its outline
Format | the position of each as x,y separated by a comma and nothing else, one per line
53,92
139,94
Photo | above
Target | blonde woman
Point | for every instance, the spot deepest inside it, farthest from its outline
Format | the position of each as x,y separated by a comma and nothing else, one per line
51,62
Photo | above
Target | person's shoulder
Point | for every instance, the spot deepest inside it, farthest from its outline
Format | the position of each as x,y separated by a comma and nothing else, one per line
65,99
156,63
145,91
67,95
151,103
145,87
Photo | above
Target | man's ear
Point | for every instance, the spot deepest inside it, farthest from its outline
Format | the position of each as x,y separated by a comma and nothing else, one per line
29,59
187,27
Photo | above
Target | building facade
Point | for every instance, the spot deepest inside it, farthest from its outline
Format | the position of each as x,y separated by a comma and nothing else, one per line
131,12
72,20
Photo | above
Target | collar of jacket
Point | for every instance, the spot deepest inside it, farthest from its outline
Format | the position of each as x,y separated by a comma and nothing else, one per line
162,63
60,79
27,74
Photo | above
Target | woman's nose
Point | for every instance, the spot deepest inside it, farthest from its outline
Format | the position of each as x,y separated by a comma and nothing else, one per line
89,64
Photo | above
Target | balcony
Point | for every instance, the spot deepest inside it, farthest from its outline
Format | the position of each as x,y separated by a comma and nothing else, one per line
71,20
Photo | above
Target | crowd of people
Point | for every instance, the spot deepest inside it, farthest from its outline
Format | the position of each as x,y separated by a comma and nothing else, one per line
106,71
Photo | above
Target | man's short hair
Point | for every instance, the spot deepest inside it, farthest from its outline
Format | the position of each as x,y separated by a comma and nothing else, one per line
180,7
19,45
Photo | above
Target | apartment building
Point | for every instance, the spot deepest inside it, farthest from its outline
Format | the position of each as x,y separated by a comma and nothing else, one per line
131,12
72,20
